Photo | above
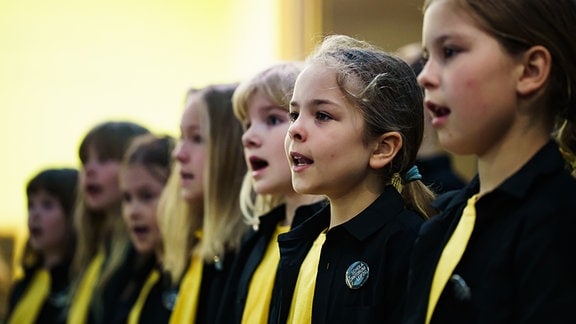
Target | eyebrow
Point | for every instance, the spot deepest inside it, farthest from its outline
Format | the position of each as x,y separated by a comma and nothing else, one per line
314,102
192,127
270,108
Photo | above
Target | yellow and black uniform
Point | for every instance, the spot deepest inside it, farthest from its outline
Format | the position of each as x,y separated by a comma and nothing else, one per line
41,296
254,249
155,301
363,264
114,303
519,263
201,291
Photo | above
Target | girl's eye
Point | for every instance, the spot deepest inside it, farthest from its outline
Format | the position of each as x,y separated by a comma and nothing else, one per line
323,116
448,52
47,204
147,196
126,197
275,120
197,139
293,115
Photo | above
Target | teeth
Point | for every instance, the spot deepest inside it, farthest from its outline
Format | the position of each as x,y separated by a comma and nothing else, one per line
298,160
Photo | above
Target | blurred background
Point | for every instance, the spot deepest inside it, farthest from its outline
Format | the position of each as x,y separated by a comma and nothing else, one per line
66,65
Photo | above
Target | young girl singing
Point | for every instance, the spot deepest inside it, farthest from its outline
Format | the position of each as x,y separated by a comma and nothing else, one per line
499,84
356,125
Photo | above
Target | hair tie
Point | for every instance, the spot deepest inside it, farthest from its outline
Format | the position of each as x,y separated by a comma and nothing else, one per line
412,174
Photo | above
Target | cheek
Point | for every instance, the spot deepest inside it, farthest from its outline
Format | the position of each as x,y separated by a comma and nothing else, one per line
56,226
151,214
112,177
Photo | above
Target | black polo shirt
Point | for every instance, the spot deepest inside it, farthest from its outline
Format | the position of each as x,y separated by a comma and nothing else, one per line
520,263
54,308
381,237
251,254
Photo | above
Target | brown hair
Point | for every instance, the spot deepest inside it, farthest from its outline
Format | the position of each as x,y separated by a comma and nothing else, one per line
520,24
384,89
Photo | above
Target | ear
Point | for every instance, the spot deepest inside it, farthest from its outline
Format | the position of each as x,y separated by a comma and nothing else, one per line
536,65
385,149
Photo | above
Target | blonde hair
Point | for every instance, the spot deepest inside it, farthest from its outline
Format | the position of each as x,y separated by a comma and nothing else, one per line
177,230
218,218
277,84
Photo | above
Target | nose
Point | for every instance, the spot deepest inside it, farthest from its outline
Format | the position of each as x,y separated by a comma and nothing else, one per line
296,131
132,209
89,167
250,138
427,77
179,153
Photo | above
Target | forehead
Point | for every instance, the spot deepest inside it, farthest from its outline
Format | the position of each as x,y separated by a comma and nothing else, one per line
194,112
316,78
137,174
43,195
441,15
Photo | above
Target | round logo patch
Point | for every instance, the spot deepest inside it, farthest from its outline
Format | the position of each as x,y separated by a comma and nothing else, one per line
357,274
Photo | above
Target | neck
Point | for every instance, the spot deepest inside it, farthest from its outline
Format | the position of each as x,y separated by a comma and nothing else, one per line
52,259
296,200
345,207
502,161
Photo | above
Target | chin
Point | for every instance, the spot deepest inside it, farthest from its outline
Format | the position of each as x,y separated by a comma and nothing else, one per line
303,190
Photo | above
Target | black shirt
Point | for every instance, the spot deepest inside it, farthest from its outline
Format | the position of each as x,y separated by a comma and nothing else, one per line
519,265
381,237
438,174
250,255
54,308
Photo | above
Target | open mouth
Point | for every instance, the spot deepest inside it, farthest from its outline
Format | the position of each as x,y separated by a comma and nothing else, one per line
93,189
436,110
300,160
35,231
186,176
140,229
257,163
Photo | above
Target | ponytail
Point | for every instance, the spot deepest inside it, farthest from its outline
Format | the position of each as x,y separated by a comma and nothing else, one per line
566,137
417,196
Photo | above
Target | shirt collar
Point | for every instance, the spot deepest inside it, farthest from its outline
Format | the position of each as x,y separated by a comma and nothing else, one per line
546,161
381,212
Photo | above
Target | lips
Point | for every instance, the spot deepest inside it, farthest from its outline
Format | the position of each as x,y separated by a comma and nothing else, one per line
437,111
299,160
257,163
186,175
93,189
35,231
140,229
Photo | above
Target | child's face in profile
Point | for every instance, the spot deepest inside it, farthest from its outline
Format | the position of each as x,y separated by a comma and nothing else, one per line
47,223
325,139
469,81
191,150
263,142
